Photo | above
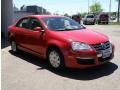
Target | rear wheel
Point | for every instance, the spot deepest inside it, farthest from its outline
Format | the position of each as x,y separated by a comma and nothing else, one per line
14,46
98,22
55,58
93,23
106,22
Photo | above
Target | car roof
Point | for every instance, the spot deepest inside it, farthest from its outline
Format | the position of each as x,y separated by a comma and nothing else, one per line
43,16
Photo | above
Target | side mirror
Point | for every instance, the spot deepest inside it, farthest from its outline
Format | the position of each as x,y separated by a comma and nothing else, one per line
38,29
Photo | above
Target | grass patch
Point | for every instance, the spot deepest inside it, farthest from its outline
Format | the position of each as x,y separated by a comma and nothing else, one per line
115,23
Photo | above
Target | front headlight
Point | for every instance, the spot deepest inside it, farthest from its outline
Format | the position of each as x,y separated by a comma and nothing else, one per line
110,43
77,46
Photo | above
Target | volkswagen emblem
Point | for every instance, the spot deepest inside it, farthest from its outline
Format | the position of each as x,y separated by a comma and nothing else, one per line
103,45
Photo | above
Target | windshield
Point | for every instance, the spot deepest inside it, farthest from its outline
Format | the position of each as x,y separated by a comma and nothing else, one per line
61,23
90,16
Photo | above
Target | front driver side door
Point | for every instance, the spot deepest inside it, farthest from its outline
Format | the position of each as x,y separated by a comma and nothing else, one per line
36,40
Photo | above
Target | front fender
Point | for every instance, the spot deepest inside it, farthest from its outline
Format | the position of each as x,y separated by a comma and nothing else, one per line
62,45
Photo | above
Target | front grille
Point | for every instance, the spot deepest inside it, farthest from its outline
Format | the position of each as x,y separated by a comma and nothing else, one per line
101,46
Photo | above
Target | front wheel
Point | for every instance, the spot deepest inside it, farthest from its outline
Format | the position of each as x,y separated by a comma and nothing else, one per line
55,58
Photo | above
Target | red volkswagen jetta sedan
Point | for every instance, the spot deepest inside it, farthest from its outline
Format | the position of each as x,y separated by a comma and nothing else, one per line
61,41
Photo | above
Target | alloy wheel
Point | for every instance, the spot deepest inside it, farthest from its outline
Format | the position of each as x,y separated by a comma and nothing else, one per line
54,59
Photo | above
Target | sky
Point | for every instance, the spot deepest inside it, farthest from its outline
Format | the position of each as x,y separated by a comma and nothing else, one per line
66,6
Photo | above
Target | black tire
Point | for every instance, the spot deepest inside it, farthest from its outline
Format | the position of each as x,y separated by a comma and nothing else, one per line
14,48
93,23
84,23
60,60
106,22
98,22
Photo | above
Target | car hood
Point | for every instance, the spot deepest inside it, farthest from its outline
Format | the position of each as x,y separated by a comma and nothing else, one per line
83,35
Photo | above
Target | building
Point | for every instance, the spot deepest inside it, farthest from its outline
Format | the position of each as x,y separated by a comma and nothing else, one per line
15,8
6,16
18,14
10,14
29,10
34,9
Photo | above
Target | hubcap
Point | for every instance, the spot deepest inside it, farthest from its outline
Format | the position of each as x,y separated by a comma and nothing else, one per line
54,59
13,46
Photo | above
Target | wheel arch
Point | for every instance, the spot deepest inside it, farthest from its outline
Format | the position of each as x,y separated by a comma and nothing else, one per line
53,46
11,38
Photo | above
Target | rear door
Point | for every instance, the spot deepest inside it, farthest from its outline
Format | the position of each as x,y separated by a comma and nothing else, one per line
22,28
29,39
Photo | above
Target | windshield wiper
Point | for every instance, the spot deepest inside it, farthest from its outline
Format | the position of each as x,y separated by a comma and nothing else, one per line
68,29
74,29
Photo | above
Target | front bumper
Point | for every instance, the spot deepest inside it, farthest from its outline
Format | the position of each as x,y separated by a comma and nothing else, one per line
86,59
89,21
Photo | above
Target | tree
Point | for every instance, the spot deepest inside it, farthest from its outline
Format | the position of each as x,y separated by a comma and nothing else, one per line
113,13
66,15
83,14
96,8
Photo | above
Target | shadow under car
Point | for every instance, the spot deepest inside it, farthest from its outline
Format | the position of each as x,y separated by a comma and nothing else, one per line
77,74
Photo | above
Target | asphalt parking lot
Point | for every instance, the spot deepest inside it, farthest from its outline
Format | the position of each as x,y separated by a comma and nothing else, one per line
26,72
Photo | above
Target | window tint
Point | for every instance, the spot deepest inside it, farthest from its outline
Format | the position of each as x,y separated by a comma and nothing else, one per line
23,23
90,16
61,23
104,16
75,16
34,23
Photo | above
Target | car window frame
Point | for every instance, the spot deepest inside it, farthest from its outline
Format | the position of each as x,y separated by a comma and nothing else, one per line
18,23
37,20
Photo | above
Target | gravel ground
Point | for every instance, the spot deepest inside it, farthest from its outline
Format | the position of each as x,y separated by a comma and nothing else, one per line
23,71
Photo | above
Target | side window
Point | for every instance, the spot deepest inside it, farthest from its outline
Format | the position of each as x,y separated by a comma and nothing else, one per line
34,23
23,23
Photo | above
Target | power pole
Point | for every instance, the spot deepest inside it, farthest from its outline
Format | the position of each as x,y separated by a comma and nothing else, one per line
88,6
118,20
110,10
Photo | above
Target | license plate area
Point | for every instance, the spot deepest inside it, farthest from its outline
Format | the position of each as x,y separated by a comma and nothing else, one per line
106,53
89,19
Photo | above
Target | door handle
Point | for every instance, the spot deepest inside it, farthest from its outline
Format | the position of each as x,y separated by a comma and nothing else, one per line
35,31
